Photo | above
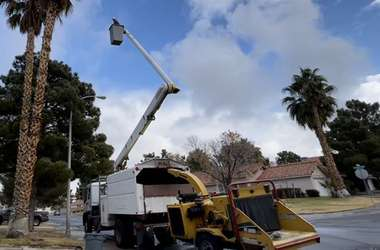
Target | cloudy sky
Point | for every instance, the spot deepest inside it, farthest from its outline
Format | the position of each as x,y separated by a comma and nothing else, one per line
231,58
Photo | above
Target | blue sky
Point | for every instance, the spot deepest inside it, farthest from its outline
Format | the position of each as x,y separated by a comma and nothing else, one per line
231,58
158,23
355,21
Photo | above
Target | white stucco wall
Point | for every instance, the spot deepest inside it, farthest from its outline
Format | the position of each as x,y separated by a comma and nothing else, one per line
317,178
301,182
304,183
212,188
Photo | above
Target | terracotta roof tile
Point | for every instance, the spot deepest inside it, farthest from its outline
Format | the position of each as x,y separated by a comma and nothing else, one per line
243,172
205,178
291,170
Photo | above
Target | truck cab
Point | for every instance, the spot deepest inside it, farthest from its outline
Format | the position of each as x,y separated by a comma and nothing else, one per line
91,213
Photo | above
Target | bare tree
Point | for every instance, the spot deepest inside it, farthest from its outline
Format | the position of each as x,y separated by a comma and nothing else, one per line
224,157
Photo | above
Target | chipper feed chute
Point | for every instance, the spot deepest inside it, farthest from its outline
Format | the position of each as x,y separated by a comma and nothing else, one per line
259,218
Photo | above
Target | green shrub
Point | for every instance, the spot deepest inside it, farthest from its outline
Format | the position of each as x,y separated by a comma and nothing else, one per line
312,193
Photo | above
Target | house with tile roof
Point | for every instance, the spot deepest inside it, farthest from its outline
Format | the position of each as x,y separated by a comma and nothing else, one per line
296,177
301,176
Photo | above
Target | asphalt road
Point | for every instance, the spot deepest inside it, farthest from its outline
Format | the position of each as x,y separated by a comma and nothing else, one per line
358,230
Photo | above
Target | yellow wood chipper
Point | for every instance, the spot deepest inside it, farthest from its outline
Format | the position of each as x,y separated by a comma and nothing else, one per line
249,216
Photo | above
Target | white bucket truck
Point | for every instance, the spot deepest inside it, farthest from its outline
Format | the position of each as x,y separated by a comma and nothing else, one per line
134,198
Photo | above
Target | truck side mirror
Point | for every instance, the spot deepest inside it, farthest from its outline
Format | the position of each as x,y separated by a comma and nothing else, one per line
116,33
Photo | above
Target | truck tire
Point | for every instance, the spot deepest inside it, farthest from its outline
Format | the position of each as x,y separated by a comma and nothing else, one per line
88,226
123,233
208,242
36,221
145,238
163,236
87,223
1,220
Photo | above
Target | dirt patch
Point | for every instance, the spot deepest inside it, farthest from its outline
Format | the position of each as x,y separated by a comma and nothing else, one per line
44,237
330,205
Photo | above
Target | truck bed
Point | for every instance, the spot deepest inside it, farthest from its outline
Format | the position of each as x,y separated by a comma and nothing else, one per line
143,191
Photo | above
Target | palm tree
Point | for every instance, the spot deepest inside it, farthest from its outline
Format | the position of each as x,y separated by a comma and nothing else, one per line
310,103
26,16
53,10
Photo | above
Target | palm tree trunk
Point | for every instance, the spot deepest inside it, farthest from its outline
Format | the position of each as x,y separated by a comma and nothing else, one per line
32,207
20,197
26,176
39,100
336,178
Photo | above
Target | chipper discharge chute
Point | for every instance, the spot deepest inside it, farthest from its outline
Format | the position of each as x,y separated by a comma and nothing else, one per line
250,216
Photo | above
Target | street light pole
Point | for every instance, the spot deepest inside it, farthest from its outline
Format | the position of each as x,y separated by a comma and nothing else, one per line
68,197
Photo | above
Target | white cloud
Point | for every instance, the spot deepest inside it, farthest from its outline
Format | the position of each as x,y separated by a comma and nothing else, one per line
209,8
219,75
292,31
231,66
375,3
369,90
176,121
232,72
121,113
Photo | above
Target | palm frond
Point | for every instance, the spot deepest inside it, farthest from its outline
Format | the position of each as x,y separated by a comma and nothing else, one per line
309,89
14,21
24,14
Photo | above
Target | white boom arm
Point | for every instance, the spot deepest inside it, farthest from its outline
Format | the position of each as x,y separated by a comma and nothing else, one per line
167,88
144,122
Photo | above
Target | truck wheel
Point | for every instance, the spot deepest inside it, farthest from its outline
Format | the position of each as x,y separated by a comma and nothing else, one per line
37,221
123,233
87,226
163,236
145,238
208,242
1,220
87,223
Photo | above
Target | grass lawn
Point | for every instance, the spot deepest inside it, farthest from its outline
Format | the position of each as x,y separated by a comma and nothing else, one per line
43,237
328,205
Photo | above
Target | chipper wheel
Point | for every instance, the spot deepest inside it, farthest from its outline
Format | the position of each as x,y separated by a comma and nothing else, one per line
208,242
